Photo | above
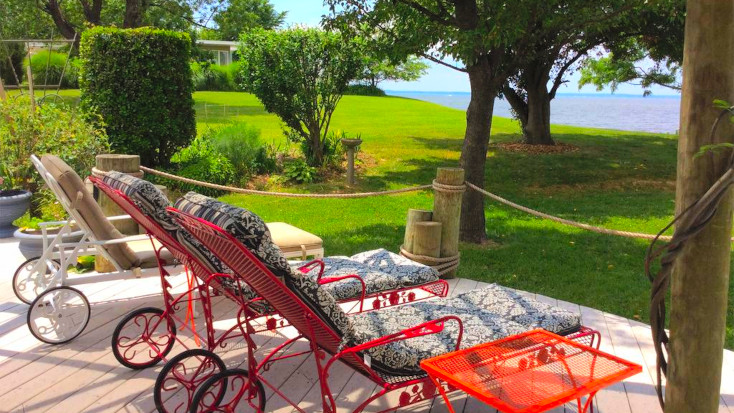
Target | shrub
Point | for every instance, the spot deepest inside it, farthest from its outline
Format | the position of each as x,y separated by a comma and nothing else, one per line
208,76
47,68
299,171
364,90
16,52
201,161
300,75
51,128
240,143
139,82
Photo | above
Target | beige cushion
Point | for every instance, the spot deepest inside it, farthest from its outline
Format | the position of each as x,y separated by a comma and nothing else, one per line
144,251
290,238
84,203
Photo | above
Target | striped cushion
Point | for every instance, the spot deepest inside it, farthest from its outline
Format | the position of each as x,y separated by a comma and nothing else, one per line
252,232
153,203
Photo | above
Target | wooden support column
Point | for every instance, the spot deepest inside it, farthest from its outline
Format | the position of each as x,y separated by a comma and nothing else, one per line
701,275
414,216
447,211
129,164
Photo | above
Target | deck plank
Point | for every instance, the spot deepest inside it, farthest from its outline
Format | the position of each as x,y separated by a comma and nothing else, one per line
84,376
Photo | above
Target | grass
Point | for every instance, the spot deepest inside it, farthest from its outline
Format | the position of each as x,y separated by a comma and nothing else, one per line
616,179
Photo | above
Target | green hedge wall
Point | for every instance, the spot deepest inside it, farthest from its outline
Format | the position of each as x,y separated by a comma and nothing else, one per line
139,82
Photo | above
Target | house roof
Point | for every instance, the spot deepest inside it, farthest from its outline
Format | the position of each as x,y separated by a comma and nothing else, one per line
218,44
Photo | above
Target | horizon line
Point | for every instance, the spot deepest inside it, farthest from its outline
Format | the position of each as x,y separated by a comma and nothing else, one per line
606,94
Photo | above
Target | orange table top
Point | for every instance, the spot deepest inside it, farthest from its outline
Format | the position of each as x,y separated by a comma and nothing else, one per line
530,372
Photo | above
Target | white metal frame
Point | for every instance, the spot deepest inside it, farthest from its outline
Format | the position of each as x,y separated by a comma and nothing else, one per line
67,253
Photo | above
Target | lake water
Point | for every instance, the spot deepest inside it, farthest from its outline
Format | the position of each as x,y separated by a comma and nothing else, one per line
626,112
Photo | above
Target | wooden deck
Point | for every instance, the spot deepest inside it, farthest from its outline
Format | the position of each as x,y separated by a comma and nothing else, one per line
83,375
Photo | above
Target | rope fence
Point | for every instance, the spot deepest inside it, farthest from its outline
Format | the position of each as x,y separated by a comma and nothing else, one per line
435,185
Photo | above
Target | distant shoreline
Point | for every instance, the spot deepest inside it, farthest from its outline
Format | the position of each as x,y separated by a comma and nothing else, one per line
579,95
656,114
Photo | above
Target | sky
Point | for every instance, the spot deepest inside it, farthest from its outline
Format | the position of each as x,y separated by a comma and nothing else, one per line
439,78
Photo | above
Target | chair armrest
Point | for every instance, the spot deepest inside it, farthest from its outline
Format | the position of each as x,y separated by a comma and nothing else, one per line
307,267
328,280
52,223
124,240
118,217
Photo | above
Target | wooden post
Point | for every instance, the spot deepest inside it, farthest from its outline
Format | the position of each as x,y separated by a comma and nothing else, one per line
701,275
351,145
447,211
427,240
2,91
414,216
129,164
30,85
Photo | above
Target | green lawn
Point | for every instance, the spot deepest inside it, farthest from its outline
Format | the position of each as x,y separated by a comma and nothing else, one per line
617,179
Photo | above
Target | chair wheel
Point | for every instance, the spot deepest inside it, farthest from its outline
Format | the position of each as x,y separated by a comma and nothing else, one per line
143,338
181,376
58,315
240,393
29,281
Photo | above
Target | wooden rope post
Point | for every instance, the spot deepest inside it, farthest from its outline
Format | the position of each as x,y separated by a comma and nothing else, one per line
414,216
121,163
447,211
427,240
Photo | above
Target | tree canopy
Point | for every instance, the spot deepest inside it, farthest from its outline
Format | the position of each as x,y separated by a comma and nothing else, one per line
377,70
242,15
652,56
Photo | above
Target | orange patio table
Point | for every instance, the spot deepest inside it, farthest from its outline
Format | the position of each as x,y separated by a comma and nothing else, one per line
529,373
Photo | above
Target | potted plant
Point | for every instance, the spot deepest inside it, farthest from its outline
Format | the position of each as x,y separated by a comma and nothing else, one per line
14,202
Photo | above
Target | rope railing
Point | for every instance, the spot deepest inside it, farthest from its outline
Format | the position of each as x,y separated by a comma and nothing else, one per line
281,194
435,185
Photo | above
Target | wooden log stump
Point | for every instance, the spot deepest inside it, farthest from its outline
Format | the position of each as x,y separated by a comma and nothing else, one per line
447,211
427,240
414,216
121,163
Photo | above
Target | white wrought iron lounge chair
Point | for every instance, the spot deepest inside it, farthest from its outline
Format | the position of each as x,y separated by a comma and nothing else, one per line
59,313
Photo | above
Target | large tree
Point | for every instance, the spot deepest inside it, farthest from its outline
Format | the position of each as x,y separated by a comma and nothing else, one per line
485,39
556,54
238,16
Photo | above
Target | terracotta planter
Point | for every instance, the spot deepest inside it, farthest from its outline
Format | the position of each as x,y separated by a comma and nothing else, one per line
30,241
13,204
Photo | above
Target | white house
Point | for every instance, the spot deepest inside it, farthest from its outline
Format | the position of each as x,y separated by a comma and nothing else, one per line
221,49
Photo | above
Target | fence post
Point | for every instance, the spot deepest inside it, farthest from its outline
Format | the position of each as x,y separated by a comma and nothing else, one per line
447,211
414,216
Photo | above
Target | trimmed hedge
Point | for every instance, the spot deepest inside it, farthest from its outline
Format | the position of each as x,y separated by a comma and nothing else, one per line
47,69
139,82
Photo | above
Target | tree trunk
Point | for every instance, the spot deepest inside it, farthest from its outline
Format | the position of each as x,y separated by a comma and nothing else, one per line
53,9
701,274
134,11
537,129
474,151
317,149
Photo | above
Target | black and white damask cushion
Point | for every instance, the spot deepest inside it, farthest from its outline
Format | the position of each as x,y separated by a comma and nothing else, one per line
153,203
380,269
487,314
251,231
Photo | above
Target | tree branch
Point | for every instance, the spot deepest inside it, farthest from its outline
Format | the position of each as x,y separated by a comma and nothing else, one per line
558,81
446,19
441,62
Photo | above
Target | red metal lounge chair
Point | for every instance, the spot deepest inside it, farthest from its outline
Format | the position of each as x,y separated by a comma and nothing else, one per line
145,336
386,345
